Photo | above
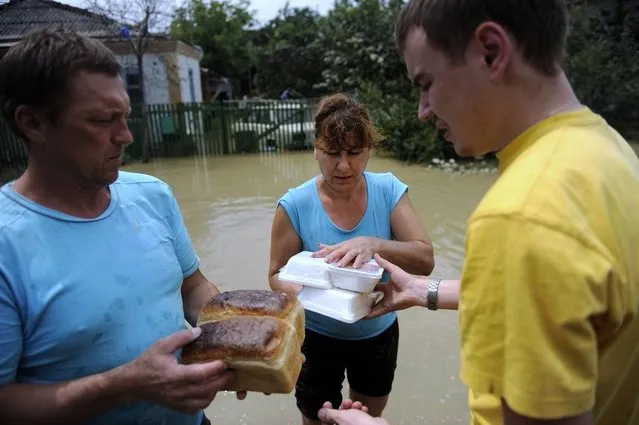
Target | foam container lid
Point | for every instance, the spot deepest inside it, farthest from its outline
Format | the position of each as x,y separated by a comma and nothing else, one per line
363,279
369,269
339,304
303,269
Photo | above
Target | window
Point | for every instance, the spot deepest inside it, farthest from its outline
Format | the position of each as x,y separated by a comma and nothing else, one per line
192,85
133,86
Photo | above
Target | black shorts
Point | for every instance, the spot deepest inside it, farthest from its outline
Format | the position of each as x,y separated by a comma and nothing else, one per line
370,366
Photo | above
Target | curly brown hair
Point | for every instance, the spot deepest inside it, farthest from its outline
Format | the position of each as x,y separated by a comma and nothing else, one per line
341,123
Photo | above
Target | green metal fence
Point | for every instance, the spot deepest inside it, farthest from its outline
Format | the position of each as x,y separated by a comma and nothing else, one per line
187,129
232,127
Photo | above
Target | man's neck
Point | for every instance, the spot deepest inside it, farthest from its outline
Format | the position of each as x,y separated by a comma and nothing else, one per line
537,101
62,192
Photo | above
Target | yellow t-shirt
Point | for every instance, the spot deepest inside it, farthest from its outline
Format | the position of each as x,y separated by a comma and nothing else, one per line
550,285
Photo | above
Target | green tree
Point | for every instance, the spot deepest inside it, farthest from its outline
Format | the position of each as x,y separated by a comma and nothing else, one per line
222,29
362,57
352,49
358,40
289,53
603,63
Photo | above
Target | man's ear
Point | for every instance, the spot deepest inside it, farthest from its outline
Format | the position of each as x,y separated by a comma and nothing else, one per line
495,47
31,122
315,153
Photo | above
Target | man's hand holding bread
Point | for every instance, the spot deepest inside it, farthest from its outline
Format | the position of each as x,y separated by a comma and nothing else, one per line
157,376
257,333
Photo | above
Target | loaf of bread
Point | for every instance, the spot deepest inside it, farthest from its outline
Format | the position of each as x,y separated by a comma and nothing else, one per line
258,333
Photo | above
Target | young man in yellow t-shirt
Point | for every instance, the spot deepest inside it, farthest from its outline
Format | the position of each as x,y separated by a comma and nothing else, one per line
549,292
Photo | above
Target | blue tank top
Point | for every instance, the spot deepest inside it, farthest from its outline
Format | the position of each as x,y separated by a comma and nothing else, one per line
313,226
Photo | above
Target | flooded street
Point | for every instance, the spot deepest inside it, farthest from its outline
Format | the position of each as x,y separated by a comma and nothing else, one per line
228,204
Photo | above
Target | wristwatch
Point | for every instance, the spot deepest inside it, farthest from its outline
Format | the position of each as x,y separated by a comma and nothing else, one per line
431,298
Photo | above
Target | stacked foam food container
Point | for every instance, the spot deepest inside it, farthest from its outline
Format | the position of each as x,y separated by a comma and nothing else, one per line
343,293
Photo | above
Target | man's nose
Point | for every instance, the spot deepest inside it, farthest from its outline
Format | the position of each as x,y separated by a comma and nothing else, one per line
424,112
123,135
126,138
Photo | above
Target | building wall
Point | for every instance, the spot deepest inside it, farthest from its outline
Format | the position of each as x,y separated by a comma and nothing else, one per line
167,64
190,82
156,76
173,69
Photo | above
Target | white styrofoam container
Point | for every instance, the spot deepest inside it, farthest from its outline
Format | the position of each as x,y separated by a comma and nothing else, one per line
303,269
363,280
345,306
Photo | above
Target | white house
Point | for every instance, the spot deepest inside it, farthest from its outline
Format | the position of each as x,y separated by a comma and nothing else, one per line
171,67
171,71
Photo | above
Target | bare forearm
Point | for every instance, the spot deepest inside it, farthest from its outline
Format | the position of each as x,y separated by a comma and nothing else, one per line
196,291
415,257
73,402
280,286
196,299
448,295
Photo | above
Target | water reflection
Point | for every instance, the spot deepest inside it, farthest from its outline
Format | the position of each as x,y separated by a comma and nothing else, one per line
228,205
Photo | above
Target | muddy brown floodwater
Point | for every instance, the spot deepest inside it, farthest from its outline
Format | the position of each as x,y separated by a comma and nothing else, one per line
228,204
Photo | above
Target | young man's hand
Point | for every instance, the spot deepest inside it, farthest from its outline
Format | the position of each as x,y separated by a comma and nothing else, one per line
403,291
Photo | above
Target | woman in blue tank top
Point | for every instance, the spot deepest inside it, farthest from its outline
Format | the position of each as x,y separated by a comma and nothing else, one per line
346,214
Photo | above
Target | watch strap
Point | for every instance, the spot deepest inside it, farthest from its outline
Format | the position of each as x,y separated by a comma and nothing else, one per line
433,290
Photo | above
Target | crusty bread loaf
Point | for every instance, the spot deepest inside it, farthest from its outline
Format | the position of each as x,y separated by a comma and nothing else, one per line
258,333
247,302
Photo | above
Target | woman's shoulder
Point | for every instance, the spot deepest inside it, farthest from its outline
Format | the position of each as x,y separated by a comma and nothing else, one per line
302,191
381,178
386,186
305,187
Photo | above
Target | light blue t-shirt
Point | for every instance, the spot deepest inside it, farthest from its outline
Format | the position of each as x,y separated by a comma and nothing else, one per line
83,296
313,226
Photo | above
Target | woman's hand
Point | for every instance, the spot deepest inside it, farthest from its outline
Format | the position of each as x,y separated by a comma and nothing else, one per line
357,250
349,413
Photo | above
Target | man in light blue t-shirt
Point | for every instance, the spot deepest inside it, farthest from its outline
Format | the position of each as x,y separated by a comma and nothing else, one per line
97,272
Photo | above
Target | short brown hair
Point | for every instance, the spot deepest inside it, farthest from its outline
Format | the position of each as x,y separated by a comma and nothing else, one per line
38,70
540,27
338,118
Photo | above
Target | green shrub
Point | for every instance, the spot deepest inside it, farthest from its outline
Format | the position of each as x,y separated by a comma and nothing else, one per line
405,136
